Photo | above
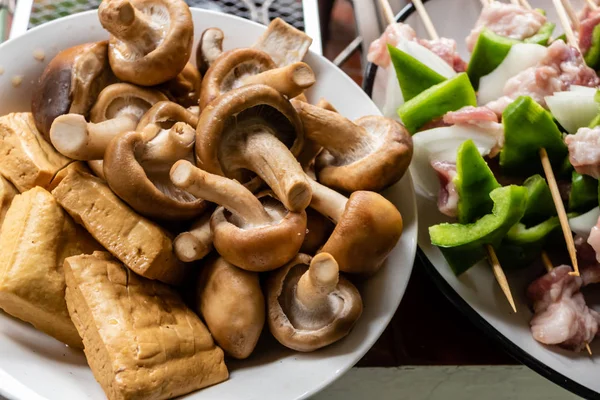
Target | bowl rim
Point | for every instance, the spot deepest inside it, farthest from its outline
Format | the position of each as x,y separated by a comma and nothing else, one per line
462,305
14,389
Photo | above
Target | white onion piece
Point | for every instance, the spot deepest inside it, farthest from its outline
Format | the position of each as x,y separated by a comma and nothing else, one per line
520,57
393,96
582,225
441,144
427,57
393,93
577,88
574,109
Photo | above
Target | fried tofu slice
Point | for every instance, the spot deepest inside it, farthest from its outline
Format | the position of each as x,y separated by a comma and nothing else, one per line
28,160
36,237
284,43
138,242
141,340
7,194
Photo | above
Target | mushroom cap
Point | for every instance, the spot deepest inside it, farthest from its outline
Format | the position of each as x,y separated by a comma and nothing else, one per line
375,165
259,248
229,70
168,57
232,304
70,83
185,88
165,113
209,48
259,103
367,232
150,194
124,98
308,331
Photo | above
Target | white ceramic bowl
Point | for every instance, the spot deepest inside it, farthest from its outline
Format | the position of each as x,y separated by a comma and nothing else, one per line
35,366
476,293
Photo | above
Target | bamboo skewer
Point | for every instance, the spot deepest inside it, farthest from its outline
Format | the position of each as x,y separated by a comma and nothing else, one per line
387,12
591,4
565,16
549,267
425,18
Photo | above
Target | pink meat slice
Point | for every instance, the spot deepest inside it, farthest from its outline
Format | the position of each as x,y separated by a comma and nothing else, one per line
394,33
561,314
447,196
508,20
589,19
562,67
584,151
484,119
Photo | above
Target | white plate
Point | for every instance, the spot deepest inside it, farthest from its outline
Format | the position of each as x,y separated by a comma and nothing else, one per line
34,366
476,292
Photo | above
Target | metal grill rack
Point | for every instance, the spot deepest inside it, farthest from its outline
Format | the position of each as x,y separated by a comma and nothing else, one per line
257,10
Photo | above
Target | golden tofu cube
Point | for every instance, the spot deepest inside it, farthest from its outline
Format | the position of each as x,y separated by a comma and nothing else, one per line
28,160
138,242
141,340
36,237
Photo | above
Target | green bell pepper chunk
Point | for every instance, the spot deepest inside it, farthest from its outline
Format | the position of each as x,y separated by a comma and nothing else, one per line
474,181
463,244
450,95
522,245
592,57
527,129
489,52
595,122
413,76
584,193
539,201
543,35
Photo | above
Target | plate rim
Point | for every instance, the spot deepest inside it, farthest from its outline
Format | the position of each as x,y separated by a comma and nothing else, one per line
14,389
461,304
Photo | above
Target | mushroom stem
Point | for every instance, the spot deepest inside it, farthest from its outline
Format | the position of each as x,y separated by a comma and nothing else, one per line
167,146
75,138
130,25
220,190
311,148
318,282
290,80
209,48
197,242
330,129
264,154
327,201
326,105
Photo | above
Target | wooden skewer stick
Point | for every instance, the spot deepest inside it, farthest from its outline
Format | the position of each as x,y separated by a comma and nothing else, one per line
560,209
500,276
591,4
485,3
526,4
387,12
426,20
549,267
566,13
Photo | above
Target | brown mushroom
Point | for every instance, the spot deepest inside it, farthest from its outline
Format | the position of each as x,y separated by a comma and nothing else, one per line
97,167
137,165
318,230
209,48
151,40
232,304
70,84
284,43
184,89
310,307
371,154
312,149
241,67
367,228
254,128
197,243
118,109
165,114
253,234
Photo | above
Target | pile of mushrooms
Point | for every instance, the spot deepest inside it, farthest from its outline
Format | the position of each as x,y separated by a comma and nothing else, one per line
223,149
